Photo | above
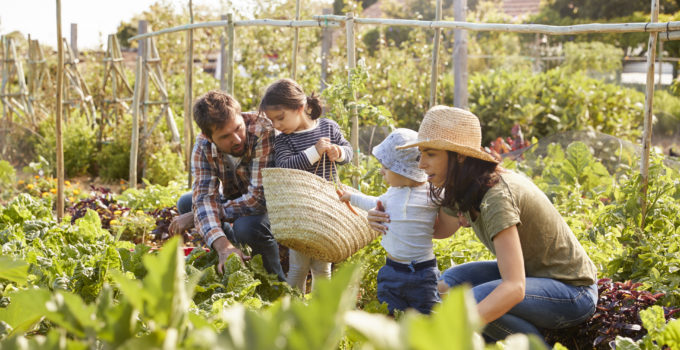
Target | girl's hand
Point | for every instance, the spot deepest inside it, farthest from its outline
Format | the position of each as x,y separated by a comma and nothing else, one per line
323,145
334,152
377,218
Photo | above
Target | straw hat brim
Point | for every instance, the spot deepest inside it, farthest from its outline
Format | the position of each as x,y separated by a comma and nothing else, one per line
450,146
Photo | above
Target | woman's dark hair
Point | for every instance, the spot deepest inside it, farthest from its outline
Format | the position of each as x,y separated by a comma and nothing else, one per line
213,110
466,183
288,94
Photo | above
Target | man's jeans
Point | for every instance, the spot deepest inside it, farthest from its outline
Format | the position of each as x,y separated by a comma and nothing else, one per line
251,230
547,303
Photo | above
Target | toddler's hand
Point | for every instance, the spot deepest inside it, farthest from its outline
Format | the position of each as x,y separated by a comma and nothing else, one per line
344,196
462,220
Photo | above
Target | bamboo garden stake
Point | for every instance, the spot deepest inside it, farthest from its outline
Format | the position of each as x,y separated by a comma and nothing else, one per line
649,99
59,107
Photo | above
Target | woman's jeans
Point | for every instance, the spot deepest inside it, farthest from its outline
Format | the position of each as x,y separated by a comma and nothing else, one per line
547,303
252,230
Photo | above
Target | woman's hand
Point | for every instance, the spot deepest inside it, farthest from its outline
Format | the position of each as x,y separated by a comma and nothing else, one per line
377,218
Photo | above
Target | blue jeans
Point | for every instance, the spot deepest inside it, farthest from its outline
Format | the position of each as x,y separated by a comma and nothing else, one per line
252,230
547,303
402,288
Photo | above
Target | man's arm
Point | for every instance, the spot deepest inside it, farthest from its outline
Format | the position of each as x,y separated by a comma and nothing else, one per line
206,196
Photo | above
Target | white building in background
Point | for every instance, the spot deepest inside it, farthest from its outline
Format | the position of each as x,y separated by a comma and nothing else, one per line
636,73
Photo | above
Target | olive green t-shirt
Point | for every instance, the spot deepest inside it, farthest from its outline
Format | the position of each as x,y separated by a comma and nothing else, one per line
549,247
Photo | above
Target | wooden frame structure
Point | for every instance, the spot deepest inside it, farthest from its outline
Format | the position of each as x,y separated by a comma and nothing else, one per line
114,73
76,92
38,76
14,102
670,29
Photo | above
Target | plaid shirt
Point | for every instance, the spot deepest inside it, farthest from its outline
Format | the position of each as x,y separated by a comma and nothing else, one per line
242,192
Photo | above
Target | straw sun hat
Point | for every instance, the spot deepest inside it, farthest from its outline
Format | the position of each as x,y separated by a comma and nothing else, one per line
451,129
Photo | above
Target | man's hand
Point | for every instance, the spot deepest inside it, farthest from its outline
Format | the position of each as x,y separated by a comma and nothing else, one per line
181,223
224,248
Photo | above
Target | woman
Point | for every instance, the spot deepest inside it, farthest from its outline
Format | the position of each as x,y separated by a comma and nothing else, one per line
542,277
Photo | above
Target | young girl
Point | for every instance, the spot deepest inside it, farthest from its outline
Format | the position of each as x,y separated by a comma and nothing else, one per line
303,141
409,277
542,276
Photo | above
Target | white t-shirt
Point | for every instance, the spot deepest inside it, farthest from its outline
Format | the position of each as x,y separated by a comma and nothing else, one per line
412,216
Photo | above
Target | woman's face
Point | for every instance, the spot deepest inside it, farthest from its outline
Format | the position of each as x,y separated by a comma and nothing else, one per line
288,121
435,163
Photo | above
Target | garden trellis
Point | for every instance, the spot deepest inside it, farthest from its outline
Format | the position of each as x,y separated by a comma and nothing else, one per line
670,29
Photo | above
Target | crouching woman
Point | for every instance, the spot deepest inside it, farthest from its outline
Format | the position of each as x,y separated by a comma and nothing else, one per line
542,276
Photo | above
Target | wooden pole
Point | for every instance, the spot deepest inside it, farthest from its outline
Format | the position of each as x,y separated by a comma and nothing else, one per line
223,56
60,97
660,60
520,28
351,65
188,97
326,43
649,99
296,39
74,40
134,142
435,56
321,22
230,54
460,66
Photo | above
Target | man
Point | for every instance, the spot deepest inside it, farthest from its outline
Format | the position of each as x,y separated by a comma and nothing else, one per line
226,164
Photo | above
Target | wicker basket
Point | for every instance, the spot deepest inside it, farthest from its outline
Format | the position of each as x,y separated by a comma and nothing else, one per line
306,215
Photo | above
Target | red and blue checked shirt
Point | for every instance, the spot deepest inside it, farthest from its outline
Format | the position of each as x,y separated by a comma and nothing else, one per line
242,192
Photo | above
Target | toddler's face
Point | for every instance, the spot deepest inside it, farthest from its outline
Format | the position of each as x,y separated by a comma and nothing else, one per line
393,179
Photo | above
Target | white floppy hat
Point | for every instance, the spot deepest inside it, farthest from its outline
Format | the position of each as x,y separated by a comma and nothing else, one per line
401,161
451,129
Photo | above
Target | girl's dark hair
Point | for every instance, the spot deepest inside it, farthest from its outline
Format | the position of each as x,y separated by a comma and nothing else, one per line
466,183
288,94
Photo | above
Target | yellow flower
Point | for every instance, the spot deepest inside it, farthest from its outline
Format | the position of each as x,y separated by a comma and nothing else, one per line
53,190
45,194
37,176
117,212
113,222
123,188
29,186
76,192
67,183
122,182
140,212
21,182
71,199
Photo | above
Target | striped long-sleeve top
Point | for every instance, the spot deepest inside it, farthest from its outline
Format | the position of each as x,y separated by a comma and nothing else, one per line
297,150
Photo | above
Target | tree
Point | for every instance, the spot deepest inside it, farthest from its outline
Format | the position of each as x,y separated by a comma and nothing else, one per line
588,9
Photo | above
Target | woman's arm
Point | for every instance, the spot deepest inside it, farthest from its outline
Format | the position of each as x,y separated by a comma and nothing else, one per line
445,225
511,265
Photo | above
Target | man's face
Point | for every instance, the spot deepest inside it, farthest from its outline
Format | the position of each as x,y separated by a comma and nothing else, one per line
231,137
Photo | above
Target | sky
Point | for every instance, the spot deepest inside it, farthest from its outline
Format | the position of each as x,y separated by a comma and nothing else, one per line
96,19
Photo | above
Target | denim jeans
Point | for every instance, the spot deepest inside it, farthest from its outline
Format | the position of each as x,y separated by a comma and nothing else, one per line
547,303
402,288
252,230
